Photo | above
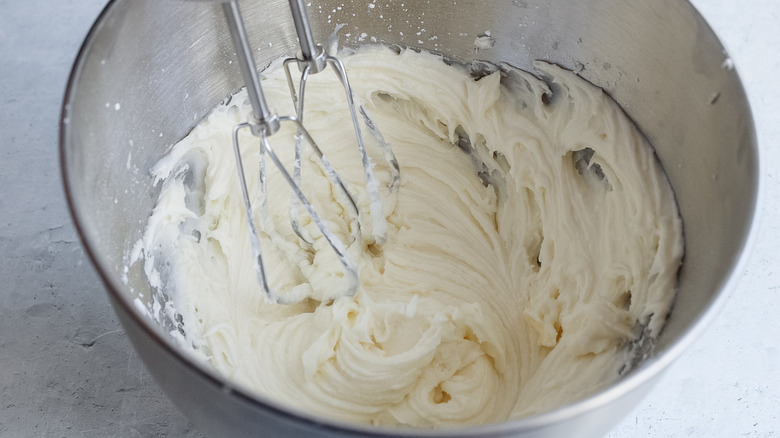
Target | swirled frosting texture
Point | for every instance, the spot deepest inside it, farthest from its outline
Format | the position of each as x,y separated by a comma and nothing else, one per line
533,237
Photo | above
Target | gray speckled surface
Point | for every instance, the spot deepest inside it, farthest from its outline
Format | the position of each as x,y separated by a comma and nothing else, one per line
67,369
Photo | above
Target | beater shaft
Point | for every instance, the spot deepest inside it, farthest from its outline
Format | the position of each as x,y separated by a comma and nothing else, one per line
309,48
262,115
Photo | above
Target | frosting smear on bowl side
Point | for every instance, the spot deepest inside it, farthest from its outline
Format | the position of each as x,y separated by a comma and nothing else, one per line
533,237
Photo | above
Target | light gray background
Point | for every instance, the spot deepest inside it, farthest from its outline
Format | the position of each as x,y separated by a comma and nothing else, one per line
67,369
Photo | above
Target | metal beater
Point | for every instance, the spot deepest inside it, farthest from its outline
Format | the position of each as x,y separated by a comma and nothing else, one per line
262,123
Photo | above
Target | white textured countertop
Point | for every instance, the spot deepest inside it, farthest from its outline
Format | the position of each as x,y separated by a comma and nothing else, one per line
67,369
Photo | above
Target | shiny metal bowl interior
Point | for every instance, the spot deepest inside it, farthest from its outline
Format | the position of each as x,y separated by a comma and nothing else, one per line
149,70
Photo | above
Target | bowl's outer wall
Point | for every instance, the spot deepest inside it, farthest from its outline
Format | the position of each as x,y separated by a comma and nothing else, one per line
150,70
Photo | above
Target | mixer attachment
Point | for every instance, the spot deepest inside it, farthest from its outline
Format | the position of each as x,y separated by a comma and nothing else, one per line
312,59
262,124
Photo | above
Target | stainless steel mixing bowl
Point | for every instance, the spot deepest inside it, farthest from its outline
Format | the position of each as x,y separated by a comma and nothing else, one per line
150,69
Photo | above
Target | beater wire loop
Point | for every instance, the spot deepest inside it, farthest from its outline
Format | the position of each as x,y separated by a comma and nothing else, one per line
262,123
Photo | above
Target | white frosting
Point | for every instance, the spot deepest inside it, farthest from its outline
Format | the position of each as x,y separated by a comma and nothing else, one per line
486,302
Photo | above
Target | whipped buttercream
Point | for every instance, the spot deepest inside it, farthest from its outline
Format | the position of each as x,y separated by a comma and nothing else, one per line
533,237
